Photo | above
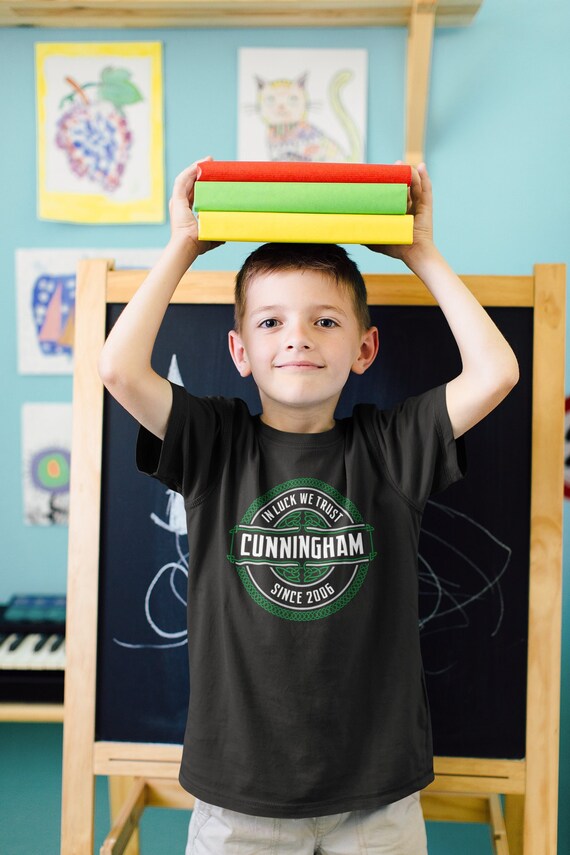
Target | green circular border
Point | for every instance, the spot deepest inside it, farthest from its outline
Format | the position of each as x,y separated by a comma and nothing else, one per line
301,482
314,614
47,481
336,605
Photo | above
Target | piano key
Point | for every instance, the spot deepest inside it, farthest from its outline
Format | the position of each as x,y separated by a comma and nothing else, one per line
57,643
47,658
11,649
36,660
50,656
16,642
4,647
18,652
58,656
40,643
32,672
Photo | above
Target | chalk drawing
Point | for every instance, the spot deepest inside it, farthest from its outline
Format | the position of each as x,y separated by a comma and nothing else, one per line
175,523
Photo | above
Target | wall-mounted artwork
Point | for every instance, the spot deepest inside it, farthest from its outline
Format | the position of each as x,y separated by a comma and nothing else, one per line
46,444
567,448
100,132
45,283
298,104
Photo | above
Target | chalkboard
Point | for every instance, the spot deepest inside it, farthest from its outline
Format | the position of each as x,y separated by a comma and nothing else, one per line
474,548
490,559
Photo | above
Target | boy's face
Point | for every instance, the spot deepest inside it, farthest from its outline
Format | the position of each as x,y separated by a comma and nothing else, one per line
300,340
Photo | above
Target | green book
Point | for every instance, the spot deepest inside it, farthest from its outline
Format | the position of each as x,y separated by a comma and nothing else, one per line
299,197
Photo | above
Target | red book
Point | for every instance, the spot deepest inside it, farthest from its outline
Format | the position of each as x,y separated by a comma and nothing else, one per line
354,173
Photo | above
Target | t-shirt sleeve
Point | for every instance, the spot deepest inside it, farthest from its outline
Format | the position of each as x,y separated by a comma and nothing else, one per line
416,441
188,458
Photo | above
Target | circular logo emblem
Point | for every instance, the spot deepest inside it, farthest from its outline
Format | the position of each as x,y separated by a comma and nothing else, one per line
302,550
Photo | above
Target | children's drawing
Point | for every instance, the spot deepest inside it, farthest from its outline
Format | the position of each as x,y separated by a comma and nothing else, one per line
471,579
302,105
94,130
45,282
567,448
46,444
169,581
53,310
100,132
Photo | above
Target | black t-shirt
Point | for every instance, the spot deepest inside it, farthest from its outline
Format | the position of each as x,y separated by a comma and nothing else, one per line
307,690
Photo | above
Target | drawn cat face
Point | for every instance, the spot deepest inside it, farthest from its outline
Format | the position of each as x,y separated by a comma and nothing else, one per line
282,101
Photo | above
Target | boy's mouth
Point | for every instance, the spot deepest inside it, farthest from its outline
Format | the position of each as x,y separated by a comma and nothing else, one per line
299,364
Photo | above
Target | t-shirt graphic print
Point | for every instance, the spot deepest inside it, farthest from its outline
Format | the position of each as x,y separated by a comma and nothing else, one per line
302,550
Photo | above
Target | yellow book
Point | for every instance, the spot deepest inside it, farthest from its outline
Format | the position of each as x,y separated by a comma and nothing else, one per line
262,227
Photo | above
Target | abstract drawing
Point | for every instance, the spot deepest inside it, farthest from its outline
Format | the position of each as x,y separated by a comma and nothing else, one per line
45,282
46,444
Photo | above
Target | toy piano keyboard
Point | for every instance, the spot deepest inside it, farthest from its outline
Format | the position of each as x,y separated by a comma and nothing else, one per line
32,649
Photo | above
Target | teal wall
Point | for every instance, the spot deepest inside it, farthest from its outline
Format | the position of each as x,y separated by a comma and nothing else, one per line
497,150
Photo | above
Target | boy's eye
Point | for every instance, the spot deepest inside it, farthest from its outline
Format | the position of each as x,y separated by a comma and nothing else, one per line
269,323
327,323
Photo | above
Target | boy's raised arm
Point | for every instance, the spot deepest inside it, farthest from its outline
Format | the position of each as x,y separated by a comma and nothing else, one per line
489,366
125,361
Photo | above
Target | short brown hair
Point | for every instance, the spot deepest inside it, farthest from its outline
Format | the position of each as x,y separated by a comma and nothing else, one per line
329,259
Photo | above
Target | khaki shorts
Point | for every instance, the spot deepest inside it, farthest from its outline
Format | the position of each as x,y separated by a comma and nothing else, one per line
396,829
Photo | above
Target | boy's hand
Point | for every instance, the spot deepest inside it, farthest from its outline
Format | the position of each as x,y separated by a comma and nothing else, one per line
420,205
183,223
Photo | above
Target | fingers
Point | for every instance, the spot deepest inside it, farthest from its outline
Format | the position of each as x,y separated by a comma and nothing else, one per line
420,182
185,180
183,177
424,178
416,184
183,185
420,191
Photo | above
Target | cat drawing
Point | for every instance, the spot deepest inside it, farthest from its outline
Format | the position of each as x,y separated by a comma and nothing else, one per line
283,106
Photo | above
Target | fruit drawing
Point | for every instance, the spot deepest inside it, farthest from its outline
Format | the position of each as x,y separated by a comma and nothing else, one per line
94,133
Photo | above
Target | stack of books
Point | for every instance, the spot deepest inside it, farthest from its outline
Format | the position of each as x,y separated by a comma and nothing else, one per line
298,202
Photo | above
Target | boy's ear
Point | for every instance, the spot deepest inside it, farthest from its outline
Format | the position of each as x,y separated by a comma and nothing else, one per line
238,354
368,351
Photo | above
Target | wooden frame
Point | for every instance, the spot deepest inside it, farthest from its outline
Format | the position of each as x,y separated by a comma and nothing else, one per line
465,788
20,711
420,42
134,14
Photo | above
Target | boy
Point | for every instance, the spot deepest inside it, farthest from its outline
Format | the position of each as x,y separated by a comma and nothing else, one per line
308,728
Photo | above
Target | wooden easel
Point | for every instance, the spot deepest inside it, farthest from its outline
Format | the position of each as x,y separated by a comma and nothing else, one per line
465,789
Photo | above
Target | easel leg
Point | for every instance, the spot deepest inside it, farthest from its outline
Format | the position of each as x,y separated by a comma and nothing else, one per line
497,823
514,821
119,788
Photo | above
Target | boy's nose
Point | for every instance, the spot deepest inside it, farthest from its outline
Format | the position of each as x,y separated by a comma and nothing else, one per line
299,338
299,345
